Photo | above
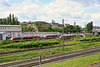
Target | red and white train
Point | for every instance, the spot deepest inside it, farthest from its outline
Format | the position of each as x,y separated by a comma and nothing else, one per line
68,36
51,36
29,38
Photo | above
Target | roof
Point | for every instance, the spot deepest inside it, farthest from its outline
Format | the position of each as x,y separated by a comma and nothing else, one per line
95,30
9,25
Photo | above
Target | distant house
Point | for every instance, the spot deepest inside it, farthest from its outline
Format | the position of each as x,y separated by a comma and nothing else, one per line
56,25
67,25
96,30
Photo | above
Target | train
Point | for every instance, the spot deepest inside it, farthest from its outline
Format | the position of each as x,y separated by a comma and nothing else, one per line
66,36
51,36
27,38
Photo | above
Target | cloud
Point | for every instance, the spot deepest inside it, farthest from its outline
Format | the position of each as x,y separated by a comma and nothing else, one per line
4,3
69,10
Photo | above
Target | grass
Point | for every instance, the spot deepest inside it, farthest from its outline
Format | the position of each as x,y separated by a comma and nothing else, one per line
79,62
28,55
9,49
13,49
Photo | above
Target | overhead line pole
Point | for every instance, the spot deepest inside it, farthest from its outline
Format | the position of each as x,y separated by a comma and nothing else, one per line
63,33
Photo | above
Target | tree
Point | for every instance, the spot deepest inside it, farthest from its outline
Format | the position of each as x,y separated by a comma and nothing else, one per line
10,20
72,29
49,29
38,24
13,20
0,21
25,28
68,29
89,27
30,29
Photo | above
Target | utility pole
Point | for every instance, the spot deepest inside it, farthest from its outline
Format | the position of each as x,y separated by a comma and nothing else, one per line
40,62
63,33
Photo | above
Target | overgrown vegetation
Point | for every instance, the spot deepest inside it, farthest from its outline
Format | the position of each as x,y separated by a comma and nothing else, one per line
89,39
5,42
30,44
32,54
79,62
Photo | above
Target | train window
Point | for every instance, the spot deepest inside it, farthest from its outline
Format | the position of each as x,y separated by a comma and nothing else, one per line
25,38
30,37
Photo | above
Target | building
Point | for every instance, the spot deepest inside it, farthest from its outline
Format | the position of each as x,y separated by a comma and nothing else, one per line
4,28
56,25
9,30
74,23
96,30
32,25
67,25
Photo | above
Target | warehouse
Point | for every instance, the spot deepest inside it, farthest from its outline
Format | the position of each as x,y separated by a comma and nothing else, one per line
5,28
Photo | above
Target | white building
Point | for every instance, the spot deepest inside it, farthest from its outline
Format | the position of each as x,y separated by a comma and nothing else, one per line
5,28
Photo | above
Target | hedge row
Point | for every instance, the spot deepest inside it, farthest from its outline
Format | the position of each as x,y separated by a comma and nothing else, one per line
90,39
30,44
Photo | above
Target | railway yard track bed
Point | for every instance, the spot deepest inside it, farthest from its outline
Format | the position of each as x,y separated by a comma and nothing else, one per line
54,58
36,49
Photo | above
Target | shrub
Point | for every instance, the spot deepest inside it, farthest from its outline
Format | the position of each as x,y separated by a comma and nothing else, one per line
37,39
89,39
22,40
30,44
4,42
97,35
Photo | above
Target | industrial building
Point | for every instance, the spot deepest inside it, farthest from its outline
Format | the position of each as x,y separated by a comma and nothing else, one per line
8,30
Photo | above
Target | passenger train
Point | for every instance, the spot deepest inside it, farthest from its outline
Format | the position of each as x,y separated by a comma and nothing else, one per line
29,38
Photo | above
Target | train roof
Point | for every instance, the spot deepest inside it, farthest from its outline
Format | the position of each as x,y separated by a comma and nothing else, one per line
26,36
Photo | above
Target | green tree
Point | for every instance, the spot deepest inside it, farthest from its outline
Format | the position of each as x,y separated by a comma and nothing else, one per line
49,29
10,20
72,29
89,27
30,29
24,28
38,24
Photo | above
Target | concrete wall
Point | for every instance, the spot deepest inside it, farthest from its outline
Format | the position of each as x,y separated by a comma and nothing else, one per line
10,28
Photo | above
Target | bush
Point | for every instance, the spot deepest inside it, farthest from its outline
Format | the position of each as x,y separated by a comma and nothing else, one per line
37,39
22,40
97,35
5,42
30,44
33,39
76,38
89,39
58,40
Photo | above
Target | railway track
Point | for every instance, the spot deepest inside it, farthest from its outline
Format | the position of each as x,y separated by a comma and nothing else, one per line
53,59
35,49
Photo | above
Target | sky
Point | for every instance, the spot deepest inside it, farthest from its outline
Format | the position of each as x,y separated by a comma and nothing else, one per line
80,11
